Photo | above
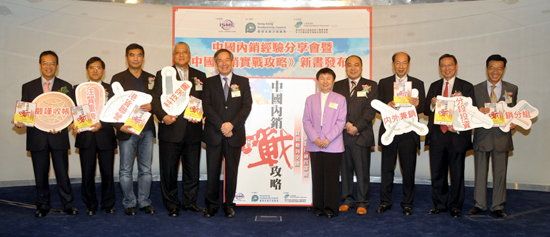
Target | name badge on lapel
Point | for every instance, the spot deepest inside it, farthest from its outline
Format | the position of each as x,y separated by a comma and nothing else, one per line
361,94
235,91
333,105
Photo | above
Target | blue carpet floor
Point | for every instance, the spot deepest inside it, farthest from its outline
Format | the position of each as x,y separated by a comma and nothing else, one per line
529,216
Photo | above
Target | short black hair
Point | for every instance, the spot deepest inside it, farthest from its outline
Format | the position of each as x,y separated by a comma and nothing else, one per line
325,70
395,55
93,60
447,56
495,57
354,56
134,46
222,51
48,52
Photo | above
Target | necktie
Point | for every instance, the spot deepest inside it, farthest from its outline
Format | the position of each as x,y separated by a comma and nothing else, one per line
46,87
225,88
352,89
444,128
493,94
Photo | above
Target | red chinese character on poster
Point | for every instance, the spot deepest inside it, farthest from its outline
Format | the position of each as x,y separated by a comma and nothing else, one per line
271,146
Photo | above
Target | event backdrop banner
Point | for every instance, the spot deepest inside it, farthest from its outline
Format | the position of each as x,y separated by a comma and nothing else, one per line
280,50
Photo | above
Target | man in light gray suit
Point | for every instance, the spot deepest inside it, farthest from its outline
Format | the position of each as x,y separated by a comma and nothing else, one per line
492,143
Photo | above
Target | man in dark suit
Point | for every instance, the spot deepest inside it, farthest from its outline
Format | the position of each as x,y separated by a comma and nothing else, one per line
406,145
358,135
179,139
227,103
97,146
43,145
132,145
493,143
447,146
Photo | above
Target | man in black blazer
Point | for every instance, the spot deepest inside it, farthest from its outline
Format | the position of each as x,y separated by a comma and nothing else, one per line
227,103
447,147
358,135
132,145
179,139
54,144
97,146
406,145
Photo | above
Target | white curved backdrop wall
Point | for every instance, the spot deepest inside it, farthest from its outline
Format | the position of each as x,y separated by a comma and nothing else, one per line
76,30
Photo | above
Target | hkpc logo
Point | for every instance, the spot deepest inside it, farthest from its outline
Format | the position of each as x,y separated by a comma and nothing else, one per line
227,24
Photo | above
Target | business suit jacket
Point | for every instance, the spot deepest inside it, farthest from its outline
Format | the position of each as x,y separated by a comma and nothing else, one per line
493,138
385,94
334,120
123,78
181,128
104,137
359,111
218,110
38,140
461,141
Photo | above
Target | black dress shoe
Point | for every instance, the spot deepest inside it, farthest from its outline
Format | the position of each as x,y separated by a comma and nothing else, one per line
148,209
209,212
436,210
193,208
383,208
229,212
39,213
173,212
90,212
130,211
475,211
407,211
109,210
70,211
455,212
318,212
499,214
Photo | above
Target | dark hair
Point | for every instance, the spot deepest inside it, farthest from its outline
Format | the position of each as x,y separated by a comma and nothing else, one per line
406,54
134,46
325,70
48,52
222,51
448,56
495,57
355,56
95,59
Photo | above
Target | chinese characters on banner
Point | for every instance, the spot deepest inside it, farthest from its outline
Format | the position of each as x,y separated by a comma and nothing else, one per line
280,52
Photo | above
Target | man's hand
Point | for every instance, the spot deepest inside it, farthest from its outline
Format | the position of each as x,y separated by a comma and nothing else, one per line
126,129
145,107
414,101
229,134
432,103
168,119
391,104
226,127
18,124
351,130
96,127
484,110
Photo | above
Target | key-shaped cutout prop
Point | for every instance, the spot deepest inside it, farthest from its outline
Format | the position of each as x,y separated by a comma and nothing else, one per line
521,115
120,106
175,94
399,121
463,114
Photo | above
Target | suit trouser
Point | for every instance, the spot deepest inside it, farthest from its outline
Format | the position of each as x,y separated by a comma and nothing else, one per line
214,157
481,165
356,160
406,148
105,158
444,161
170,156
325,168
41,168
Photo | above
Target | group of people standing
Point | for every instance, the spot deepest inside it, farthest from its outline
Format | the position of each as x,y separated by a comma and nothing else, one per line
226,102
338,122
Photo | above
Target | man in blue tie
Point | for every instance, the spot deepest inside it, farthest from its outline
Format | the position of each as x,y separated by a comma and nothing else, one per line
227,103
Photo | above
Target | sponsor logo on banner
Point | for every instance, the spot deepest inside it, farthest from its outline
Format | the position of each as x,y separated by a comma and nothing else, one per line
250,27
309,28
226,24
239,197
255,198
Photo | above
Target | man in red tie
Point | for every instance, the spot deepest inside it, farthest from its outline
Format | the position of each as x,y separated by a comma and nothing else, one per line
447,146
